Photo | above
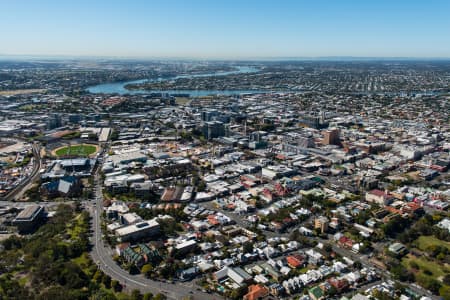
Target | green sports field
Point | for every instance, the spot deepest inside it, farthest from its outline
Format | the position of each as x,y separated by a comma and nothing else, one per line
76,150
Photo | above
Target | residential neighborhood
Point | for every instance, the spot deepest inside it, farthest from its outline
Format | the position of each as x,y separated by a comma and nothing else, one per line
284,194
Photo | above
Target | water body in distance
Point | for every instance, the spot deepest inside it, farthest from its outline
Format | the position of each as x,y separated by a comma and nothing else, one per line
119,87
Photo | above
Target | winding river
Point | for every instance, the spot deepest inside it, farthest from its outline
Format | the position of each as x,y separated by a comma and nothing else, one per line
119,87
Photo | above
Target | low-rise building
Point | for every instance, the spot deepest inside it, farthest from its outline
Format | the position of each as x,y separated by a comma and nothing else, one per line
138,231
29,218
379,197
398,249
238,275
257,292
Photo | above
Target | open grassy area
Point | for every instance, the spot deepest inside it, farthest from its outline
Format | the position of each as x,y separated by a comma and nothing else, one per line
19,92
424,264
83,262
28,107
77,227
424,242
76,150
181,100
427,271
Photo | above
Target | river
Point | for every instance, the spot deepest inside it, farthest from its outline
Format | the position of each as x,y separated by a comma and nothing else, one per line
119,87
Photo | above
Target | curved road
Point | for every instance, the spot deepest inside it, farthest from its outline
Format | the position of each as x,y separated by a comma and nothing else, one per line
102,256
22,187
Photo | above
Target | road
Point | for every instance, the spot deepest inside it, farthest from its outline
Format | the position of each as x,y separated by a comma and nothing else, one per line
21,188
102,256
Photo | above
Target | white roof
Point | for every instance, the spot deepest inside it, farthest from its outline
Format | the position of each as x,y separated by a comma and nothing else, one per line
137,227
185,244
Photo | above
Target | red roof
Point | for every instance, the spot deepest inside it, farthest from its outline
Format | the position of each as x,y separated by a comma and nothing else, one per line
338,284
378,193
414,205
346,241
295,260
256,291
212,220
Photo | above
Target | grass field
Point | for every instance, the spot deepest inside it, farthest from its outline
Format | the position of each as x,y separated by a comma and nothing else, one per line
18,92
424,242
181,100
76,150
425,264
428,271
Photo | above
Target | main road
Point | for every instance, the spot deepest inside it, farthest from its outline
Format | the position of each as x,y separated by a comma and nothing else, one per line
102,256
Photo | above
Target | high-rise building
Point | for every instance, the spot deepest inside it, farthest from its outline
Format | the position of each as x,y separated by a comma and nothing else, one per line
208,115
321,223
331,137
314,120
74,118
54,121
213,129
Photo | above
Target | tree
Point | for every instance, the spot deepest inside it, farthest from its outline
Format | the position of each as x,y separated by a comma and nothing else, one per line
101,294
401,273
395,226
431,284
54,292
147,269
446,279
12,242
147,296
116,286
381,295
444,292
201,186
98,276
427,272
357,265
238,293
106,280
414,265
332,291
136,295
247,247
327,247
159,297
133,269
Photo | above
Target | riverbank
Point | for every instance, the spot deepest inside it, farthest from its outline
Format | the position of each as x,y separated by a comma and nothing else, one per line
121,87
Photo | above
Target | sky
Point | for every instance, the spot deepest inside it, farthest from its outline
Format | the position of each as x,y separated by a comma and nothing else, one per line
229,29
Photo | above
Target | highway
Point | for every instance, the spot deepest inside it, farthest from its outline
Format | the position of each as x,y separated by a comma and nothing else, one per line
102,256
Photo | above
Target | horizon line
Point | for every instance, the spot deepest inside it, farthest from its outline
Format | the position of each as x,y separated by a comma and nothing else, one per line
243,58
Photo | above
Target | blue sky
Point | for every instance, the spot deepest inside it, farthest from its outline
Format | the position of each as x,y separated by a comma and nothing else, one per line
226,29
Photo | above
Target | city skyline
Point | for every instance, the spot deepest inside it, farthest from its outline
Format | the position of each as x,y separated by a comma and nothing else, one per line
231,30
